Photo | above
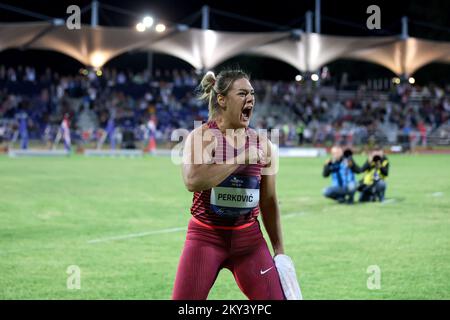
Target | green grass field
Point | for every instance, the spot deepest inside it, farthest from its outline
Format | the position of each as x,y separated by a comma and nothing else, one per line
51,208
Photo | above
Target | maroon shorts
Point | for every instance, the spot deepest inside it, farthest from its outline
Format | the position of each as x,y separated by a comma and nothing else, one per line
243,251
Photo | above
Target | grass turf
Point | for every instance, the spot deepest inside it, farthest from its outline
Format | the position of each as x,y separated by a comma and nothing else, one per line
50,208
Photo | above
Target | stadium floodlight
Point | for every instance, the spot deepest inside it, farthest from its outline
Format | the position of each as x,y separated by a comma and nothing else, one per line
298,78
314,77
147,21
140,27
411,80
160,27
99,73
97,59
396,80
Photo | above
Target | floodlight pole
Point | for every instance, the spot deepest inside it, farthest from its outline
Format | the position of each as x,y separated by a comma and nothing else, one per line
308,17
309,29
205,26
404,37
317,29
205,17
317,17
404,28
94,13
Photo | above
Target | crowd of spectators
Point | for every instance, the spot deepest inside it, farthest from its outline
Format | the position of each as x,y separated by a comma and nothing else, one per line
90,98
327,116
303,114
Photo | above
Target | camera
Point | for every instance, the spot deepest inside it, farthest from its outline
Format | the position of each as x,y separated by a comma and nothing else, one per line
348,153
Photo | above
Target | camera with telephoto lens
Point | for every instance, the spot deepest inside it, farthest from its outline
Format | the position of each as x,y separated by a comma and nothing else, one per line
376,158
347,157
348,153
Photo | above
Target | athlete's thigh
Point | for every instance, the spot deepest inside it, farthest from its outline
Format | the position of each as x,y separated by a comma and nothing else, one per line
197,271
256,274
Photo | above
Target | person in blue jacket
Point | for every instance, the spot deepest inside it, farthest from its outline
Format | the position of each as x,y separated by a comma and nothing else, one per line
341,167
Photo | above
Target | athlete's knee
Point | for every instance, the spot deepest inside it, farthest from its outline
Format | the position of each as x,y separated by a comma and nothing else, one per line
197,271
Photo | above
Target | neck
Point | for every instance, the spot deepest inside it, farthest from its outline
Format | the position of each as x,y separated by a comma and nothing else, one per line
223,124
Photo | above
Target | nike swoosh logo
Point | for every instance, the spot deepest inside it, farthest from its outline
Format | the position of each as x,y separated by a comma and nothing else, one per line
265,271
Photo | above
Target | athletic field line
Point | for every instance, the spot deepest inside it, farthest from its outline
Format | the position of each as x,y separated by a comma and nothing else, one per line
294,214
437,194
136,235
170,230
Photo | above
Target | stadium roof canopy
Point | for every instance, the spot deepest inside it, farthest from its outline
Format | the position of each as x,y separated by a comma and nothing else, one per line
446,59
313,50
204,49
92,46
405,56
16,35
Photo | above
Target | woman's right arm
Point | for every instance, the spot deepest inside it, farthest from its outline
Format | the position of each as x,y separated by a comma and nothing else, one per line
199,173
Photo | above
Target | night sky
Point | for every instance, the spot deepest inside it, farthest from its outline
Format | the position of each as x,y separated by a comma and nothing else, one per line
338,17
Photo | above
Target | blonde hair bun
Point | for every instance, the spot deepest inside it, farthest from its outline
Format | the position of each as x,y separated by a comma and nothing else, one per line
208,81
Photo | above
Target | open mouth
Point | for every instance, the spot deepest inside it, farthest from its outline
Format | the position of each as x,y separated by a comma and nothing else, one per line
246,113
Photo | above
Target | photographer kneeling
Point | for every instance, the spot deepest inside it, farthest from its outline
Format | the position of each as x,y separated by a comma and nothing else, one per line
376,170
342,169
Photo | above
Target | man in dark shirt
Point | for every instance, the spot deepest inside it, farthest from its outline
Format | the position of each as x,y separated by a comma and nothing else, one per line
375,169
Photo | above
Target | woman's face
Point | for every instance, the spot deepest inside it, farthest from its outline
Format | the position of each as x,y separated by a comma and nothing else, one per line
237,105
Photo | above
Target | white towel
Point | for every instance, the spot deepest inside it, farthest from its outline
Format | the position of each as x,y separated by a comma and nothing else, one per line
288,277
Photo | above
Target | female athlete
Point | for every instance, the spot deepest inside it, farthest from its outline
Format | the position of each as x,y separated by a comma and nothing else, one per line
231,186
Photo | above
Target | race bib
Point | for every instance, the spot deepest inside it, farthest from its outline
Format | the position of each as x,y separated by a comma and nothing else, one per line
235,196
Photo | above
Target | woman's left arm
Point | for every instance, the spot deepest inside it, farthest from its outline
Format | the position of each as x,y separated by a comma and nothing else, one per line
268,205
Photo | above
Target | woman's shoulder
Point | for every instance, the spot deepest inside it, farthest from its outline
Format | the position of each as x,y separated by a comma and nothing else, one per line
205,131
200,129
